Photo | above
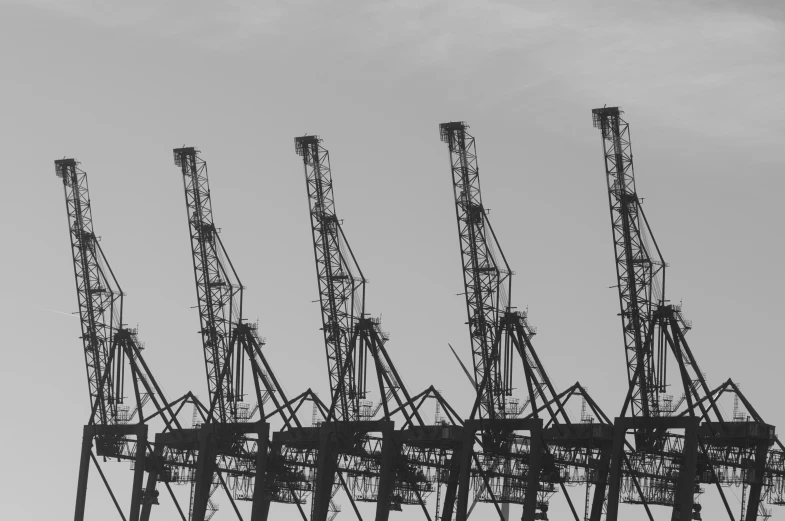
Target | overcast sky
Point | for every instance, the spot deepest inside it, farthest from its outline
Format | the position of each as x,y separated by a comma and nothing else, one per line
118,85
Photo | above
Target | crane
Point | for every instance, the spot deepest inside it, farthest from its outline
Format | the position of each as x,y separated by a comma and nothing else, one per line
235,437
680,444
113,353
498,332
354,341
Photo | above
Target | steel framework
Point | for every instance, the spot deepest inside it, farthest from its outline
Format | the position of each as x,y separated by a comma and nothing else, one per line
235,438
113,352
558,450
677,445
414,460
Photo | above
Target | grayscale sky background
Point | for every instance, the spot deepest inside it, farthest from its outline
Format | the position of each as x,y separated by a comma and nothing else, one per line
117,85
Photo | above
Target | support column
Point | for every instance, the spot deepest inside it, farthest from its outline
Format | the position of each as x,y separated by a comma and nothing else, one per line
205,468
465,467
452,484
261,507
602,483
533,478
137,490
325,472
84,470
614,480
682,509
149,491
387,473
757,483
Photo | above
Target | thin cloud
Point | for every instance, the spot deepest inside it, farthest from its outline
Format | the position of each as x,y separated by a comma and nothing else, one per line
688,57
204,24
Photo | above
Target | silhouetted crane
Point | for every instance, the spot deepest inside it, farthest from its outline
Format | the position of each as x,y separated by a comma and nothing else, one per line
678,445
398,467
558,450
235,437
113,352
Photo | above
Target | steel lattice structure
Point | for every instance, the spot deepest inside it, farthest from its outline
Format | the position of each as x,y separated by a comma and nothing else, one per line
112,353
415,459
234,438
711,447
351,338
379,448
498,333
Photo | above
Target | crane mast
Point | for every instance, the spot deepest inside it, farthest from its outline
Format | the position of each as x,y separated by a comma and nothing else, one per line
353,341
640,269
712,446
232,347
99,297
219,292
496,330
350,336
497,333
487,277
228,339
341,286
111,351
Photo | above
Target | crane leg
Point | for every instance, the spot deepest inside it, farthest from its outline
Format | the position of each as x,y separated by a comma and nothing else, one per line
452,486
152,482
387,478
533,479
138,491
260,507
682,510
756,488
614,479
84,470
326,467
602,483
464,472
205,468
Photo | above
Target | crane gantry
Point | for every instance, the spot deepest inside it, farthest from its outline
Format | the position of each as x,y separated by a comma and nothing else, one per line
407,463
679,445
113,352
372,439
235,437
524,469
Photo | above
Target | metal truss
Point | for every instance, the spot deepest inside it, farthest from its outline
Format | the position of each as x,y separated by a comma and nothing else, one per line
679,444
113,352
410,463
498,332
236,432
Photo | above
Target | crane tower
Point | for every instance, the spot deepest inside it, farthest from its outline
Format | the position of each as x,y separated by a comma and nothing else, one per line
679,445
524,469
118,424
410,462
235,438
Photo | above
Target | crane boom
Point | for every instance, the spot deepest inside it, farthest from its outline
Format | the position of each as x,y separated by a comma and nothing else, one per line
99,297
219,290
111,351
652,327
232,347
341,285
654,330
640,269
110,347
496,331
351,337
353,341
